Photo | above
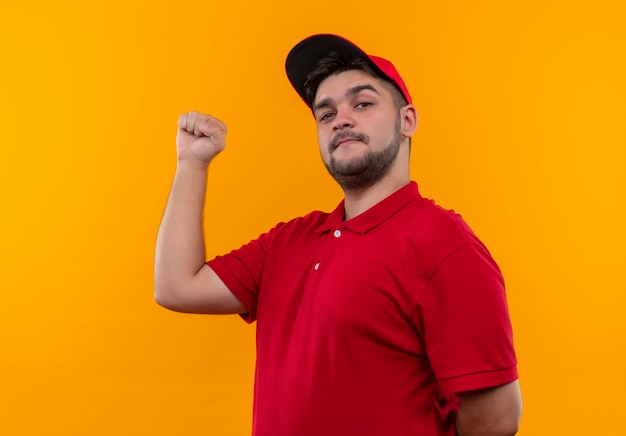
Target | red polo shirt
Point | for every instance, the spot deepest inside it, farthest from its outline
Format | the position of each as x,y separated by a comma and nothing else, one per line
369,326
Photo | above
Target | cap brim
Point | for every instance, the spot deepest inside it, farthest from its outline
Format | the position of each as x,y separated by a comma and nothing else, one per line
305,56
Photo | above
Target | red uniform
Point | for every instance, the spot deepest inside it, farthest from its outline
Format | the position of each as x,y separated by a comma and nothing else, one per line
369,326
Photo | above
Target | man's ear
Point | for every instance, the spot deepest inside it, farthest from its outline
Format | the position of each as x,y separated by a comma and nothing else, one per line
408,120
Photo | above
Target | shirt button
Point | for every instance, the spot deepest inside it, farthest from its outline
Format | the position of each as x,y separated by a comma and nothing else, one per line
316,267
337,233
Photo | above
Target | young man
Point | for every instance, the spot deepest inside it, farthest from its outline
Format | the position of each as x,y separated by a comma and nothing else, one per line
386,316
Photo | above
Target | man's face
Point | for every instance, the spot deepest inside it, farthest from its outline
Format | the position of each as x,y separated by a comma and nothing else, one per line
358,128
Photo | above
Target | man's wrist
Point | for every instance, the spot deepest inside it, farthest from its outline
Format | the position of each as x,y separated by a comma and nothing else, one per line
191,165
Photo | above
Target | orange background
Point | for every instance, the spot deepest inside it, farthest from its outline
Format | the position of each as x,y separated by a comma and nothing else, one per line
522,131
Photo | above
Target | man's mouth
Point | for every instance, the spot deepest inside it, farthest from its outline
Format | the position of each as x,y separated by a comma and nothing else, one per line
346,138
345,141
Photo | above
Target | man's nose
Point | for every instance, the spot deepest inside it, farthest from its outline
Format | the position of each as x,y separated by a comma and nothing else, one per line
343,120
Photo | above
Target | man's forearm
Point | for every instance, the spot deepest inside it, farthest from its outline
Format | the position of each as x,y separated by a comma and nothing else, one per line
180,241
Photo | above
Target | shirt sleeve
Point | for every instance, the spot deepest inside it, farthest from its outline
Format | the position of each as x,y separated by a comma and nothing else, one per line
465,322
241,271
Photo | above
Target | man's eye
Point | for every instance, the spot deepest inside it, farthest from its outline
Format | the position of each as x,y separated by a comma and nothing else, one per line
326,116
363,104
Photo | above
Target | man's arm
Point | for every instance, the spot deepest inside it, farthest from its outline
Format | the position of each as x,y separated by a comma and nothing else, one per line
490,412
182,280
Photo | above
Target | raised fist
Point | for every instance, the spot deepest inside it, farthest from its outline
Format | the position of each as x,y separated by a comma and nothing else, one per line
200,137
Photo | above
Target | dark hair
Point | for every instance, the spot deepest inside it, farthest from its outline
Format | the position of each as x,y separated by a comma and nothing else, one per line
336,63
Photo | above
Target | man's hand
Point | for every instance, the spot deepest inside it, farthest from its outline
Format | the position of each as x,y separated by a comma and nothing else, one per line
200,138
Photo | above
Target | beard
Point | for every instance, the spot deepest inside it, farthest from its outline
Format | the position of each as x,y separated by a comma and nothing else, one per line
363,171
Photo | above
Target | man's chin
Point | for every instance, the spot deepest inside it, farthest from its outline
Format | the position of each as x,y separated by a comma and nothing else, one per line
348,157
348,168
345,157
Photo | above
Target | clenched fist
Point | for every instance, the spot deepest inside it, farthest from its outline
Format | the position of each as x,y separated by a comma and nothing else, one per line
200,137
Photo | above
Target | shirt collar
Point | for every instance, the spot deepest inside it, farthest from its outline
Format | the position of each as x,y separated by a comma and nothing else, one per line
376,214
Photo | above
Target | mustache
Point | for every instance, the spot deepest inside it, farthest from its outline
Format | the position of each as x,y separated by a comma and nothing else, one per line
347,134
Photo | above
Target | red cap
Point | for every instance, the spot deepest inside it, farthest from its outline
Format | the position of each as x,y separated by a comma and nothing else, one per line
305,56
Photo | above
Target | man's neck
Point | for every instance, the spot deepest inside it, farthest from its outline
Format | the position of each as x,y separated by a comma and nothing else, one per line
358,201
